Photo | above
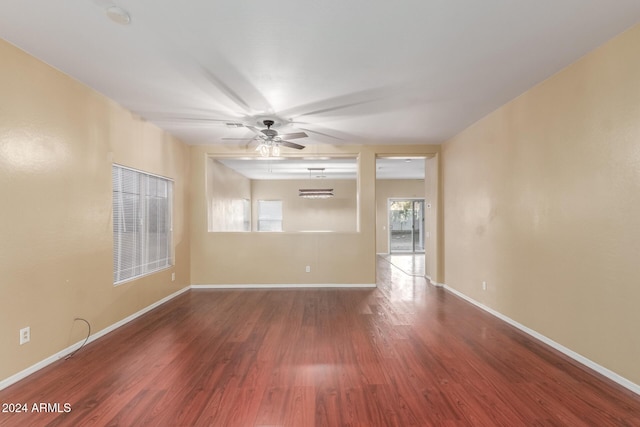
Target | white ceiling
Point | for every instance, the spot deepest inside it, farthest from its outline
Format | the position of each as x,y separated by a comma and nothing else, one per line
374,71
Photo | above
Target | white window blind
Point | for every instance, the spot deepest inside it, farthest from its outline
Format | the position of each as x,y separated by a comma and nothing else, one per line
142,224
269,215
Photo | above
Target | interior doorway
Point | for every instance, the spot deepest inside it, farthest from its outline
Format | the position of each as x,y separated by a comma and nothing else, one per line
406,225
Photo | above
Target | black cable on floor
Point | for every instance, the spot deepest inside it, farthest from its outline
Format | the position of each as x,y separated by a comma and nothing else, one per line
85,340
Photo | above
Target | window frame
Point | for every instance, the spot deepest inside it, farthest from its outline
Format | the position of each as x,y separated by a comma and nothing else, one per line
139,251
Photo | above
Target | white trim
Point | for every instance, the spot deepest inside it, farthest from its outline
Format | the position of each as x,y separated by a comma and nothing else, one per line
285,286
141,171
568,352
572,354
434,283
63,353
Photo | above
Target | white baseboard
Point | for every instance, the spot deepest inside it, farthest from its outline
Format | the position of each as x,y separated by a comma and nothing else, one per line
434,283
575,356
63,353
568,352
287,286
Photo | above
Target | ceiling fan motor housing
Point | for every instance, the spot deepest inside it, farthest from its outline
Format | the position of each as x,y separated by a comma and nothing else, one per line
268,131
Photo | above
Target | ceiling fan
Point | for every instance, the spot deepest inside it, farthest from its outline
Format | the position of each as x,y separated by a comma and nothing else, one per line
270,140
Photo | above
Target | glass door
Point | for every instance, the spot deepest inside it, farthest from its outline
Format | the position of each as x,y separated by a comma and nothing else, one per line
406,225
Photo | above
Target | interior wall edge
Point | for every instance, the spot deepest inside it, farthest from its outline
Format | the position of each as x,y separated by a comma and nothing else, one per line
577,357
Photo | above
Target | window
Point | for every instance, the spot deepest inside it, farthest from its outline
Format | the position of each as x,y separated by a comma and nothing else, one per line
269,215
141,223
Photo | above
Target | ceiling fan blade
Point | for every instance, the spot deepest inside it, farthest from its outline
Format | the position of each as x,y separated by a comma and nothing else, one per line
253,129
292,145
342,102
185,119
225,89
295,135
199,64
232,83
383,99
237,139
325,133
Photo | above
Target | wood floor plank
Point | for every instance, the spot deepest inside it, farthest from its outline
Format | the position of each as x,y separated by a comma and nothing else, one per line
301,407
402,354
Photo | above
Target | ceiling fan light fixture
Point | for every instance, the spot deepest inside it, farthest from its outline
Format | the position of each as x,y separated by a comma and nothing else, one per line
263,149
275,151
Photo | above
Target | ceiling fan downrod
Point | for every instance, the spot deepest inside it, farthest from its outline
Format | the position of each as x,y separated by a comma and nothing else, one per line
270,133
268,123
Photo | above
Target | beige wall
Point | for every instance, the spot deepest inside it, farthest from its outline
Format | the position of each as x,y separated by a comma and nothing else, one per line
338,213
434,247
280,258
392,188
542,201
58,140
226,189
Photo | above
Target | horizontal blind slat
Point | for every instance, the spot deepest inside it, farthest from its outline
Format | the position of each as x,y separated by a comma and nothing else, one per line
141,223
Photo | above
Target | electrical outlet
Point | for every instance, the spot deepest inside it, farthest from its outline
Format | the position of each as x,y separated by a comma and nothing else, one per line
484,286
308,269
25,335
173,277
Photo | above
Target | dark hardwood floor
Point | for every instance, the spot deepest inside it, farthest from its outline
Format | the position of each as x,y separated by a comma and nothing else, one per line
403,354
411,264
